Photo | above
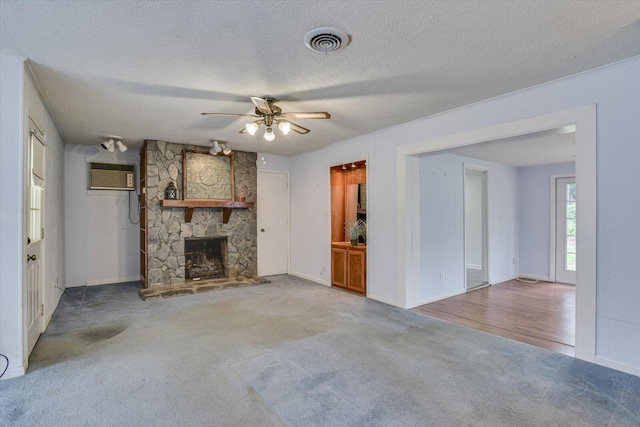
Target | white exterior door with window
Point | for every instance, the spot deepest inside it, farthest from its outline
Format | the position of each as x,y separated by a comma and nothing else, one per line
35,240
566,230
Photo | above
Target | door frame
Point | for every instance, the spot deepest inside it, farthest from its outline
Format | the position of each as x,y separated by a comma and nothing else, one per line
485,219
553,223
288,175
408,209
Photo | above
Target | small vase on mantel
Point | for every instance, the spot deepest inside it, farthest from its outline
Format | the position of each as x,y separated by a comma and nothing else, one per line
241,197
354,242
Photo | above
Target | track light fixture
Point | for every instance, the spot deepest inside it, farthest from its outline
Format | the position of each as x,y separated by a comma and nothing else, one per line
108,145
111,142
219,146
121,146
215,148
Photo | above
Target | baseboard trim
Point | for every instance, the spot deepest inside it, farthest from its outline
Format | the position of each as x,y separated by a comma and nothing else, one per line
310,278
110,281
534,277
441,296
474,267
506,279
384,300
618,366
18,371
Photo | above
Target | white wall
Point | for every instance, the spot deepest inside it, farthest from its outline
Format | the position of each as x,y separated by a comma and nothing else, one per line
11,223
273,162
473,218
535,216
616,91
102,245
442,223
20,100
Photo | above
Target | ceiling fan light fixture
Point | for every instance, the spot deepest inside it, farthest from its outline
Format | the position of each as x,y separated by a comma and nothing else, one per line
252,128
269,135
226,150
285,127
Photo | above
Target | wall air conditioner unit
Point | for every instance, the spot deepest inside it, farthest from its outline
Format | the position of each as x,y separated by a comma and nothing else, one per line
108,176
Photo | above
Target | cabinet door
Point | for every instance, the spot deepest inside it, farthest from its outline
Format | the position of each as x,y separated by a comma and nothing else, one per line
339,267
357,271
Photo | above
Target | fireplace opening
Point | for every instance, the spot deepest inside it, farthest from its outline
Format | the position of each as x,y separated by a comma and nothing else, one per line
205,258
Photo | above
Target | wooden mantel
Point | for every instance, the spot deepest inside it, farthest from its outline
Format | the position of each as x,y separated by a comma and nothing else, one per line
227,206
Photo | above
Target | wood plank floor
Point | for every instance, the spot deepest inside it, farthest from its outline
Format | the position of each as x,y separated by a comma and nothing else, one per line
541,314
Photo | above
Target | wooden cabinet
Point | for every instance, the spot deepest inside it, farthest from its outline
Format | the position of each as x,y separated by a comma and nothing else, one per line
339,267
349,267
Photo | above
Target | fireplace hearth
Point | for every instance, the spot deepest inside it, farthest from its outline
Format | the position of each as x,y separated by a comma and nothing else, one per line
205,258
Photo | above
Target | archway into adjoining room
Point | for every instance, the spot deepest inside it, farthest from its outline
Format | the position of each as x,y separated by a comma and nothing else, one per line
409,216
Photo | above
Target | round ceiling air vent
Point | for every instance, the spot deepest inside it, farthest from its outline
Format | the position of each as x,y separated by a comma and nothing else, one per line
326,39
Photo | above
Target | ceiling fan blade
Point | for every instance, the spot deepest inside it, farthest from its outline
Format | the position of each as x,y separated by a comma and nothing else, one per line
261,104
299,128
258,122
309,115
229,115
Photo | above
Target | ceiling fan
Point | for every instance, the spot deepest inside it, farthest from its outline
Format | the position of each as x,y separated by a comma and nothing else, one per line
269,114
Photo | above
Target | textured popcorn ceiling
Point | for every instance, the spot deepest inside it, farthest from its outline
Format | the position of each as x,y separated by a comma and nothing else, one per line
147,69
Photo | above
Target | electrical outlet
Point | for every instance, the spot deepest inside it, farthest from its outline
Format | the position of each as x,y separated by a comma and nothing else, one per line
442,275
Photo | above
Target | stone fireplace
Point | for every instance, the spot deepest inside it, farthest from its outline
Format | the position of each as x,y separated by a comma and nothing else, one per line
168,234
205,258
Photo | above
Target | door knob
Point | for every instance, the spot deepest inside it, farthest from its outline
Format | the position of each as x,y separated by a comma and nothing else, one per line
262,230
31,257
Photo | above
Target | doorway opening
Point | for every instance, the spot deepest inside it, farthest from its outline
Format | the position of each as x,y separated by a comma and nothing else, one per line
412,278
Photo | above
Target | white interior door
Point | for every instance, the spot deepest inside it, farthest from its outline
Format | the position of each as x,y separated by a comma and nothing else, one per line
273,223
35,240
566,230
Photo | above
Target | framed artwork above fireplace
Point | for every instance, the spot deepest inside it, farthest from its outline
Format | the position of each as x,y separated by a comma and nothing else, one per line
206,176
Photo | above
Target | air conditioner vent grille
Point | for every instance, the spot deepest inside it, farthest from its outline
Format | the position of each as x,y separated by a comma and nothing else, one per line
109,176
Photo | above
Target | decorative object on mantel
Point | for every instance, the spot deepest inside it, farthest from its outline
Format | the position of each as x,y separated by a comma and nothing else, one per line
207,177
171,192
241,197
269,115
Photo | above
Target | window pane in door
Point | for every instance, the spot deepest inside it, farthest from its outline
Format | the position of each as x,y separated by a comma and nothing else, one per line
571,262
571,192
571,227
